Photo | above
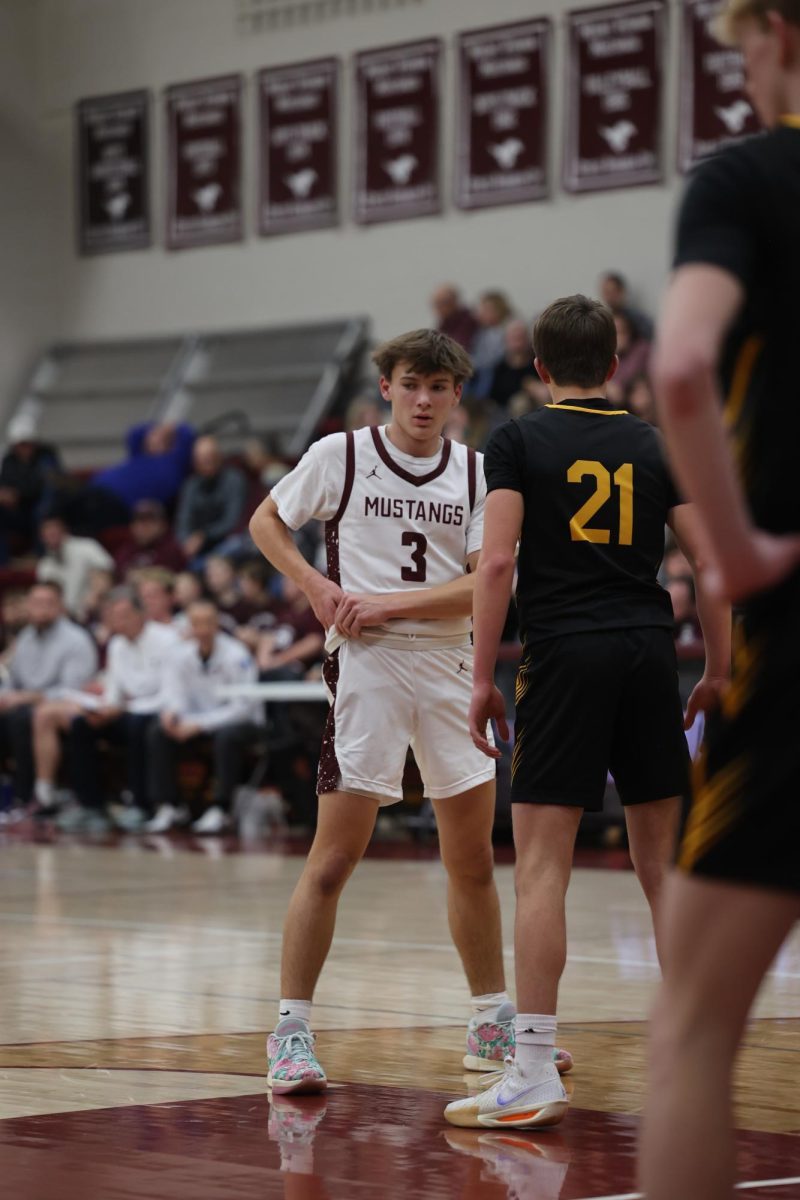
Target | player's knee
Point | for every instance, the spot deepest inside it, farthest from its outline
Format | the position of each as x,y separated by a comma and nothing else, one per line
474,870
330,872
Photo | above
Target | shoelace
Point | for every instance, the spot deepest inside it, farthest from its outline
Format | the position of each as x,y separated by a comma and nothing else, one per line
488,1081
305,1044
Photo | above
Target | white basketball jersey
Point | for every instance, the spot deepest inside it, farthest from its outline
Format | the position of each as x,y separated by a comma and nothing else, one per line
394,522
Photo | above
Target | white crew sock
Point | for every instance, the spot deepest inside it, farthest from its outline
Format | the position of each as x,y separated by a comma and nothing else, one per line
535,1035
44,792
299,1009
487,1007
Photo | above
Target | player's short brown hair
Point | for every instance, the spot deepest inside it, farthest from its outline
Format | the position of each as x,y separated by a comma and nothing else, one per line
575,339
734,11
427,352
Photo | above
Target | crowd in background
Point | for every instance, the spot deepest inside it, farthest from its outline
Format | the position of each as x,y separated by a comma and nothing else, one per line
151,603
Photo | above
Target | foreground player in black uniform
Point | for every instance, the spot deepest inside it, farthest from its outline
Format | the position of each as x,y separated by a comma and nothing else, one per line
584,489
730,328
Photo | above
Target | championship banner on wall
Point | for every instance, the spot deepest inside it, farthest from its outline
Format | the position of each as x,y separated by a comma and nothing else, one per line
614,96
113,173
298,143
714,108
204,162
397,132
501,148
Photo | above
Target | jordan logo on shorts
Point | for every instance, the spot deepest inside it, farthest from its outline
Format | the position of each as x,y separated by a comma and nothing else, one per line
462,667
374,472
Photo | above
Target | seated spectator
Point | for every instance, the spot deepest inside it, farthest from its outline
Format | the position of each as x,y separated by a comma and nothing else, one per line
69,561
27,473
136,672
687,626
453,317
257,602
51,654
155,588
194,710
222,586
211,502
614,294
640,399
158,461
488,347
296,643
363,412
633,353
150,542
263,460
515,372
13,619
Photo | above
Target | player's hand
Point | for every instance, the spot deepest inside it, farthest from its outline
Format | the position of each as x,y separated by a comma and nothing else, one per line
763,562
324,596
705,696
355,613
487,703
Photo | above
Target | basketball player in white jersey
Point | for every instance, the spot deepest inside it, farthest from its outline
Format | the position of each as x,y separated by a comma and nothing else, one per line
404,522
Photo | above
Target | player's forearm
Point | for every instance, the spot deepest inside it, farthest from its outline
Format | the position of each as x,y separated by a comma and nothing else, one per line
691,419
277,545
446,600
715,621
493,583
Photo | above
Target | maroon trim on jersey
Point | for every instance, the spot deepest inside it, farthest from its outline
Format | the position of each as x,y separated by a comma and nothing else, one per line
349,476
332,551
417,480
472,477
329,776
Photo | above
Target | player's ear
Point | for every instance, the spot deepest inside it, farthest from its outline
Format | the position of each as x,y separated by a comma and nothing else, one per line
612,370
457,392
384,385
542,371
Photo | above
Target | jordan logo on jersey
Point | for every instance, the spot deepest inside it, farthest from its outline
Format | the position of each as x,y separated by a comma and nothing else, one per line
373,473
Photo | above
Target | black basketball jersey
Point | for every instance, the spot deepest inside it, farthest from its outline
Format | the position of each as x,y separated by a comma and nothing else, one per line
597,494
741,212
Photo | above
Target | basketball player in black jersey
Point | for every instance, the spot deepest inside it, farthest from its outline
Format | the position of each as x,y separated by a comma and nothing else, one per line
730,329
585,490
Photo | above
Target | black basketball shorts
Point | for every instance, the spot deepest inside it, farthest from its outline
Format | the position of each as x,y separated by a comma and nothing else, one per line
588,703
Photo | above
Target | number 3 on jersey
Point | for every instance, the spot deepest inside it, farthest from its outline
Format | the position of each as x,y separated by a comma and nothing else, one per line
623,479
419,572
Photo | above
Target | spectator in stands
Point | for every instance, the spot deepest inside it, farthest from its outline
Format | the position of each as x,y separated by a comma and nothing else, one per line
453,317
94,605
211,502
640,399
52,654
488,347
515,372
687,626
263,460
222,586
150,542
14,618
136,672
614,294
196,710
27,473
633,353
363,412
257,603
69,561
296,643
155,588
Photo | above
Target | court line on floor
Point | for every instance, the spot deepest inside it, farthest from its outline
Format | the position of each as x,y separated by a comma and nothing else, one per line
740,1187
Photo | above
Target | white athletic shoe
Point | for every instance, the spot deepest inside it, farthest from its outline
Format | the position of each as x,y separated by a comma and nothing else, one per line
166,816
213,820
514,1101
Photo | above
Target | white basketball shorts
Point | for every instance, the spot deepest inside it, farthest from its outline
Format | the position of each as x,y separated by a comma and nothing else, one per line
384,700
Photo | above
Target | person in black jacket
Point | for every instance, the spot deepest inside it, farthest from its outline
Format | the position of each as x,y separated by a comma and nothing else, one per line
27,469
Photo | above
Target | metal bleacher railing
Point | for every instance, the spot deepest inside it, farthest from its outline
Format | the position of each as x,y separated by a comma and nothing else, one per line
278,381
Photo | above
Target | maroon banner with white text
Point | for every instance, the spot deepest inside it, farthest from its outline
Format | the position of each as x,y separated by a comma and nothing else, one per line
502,115
204,163
298,140
714,108
614,96
397,132
113,173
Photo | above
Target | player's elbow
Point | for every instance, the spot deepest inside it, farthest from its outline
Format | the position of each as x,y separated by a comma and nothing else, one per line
683,379
496,565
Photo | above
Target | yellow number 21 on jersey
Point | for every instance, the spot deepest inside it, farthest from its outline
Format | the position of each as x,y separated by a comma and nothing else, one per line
623,479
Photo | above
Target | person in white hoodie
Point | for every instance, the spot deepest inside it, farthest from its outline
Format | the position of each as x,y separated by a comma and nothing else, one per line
194,707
